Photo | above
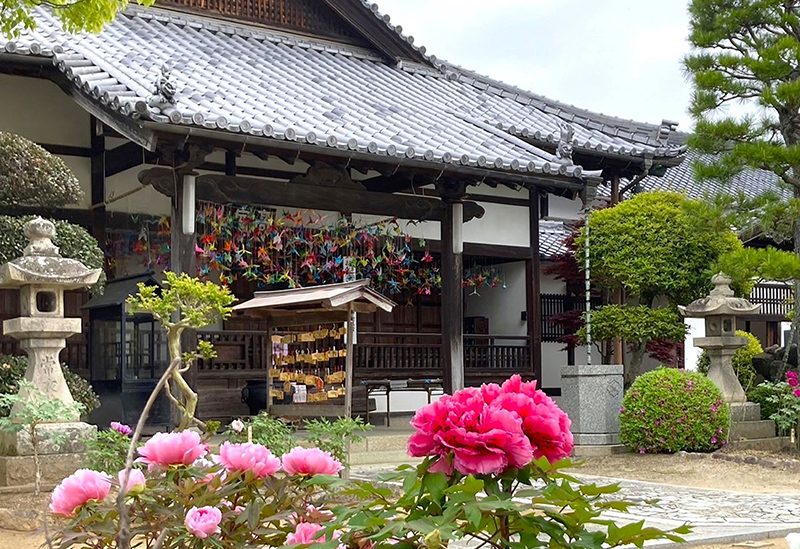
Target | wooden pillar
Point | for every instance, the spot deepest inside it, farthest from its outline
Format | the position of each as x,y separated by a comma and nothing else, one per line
183,258
533,289
230,163
452,303
98,183
348,395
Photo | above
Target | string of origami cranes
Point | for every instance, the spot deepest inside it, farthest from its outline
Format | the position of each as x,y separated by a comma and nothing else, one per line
296,248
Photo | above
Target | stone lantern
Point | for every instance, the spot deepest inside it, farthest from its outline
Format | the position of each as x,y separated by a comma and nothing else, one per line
42,275
719,310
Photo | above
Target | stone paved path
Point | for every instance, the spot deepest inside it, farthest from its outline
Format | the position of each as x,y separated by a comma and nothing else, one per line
717,516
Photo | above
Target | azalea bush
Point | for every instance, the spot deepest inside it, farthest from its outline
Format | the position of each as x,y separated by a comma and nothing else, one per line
492,474
668,410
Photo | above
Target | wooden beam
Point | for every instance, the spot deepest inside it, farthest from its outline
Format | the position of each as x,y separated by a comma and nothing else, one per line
452,307
243,190
396,183
284,319
127,156
533,290
249,170
128,127
66,150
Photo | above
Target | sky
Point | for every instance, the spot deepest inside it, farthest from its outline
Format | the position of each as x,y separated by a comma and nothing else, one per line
618,57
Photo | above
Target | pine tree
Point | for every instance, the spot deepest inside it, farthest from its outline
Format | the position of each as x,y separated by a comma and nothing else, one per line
745,67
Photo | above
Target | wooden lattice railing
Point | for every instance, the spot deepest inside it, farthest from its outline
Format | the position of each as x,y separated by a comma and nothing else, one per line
311,16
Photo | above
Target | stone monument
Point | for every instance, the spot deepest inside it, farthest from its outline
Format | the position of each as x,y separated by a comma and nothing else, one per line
719,310
591,395
42,275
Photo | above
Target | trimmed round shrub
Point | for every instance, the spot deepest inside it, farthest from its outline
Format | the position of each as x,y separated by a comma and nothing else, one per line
742,361
31,176
668,410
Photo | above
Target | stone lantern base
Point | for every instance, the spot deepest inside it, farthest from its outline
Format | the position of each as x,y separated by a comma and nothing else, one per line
62,451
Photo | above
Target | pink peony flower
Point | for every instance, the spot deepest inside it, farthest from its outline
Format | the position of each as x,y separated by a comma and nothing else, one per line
203,522
136,481
165,449
83,486
310,461
792,381
249,457
543,422
488,430
121,428
796,393
304,533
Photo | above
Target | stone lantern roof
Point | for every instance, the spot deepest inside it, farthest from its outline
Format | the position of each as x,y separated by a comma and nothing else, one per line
42,263
720,301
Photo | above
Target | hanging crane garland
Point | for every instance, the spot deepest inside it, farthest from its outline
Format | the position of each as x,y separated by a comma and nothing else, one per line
149,244
301,249
295,248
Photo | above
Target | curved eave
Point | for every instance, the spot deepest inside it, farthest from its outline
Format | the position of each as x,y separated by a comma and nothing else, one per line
453,168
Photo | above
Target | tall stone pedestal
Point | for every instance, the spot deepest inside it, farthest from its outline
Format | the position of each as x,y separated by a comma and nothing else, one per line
61,447
720,351
592,396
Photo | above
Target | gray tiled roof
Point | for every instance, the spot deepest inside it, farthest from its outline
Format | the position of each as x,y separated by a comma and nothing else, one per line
681,179
551,238
244,79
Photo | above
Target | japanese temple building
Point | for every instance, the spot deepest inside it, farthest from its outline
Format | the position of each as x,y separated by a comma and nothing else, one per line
192,124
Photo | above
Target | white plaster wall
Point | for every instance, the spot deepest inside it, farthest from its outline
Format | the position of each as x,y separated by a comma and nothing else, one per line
147,200
501,224
692,354
37,109
564,208
554,356
503,307
82,169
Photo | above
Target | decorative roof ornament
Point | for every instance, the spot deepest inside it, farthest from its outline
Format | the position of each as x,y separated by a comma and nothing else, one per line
564,147
164,93
664,131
